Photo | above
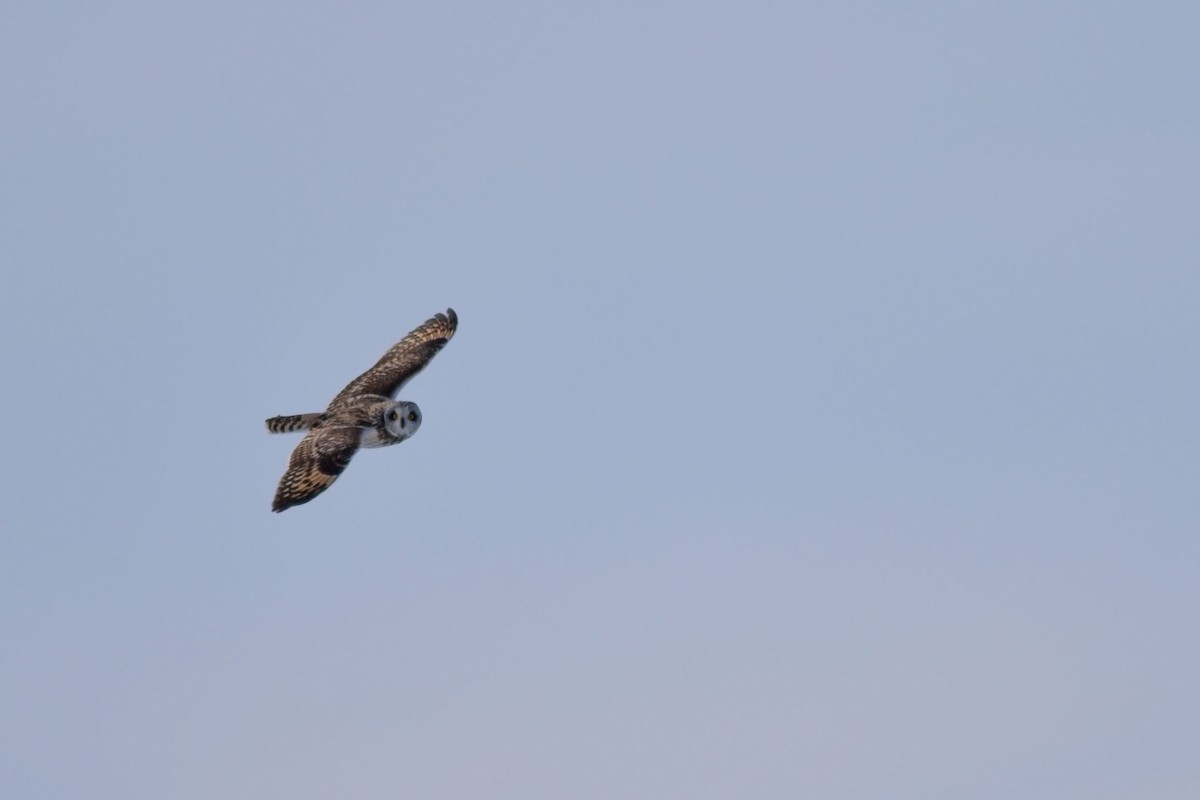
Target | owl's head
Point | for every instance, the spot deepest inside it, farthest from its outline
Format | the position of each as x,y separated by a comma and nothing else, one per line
401,419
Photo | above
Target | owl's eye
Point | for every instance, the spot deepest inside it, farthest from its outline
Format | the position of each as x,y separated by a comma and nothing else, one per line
412,416
393,415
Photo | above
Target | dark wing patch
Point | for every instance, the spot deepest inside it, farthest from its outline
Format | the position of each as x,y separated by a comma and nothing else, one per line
315,464
402,361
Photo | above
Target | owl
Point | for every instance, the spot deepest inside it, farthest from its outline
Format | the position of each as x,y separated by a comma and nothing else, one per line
364,414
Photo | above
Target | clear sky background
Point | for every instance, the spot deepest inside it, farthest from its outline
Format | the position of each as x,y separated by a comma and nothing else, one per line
822,420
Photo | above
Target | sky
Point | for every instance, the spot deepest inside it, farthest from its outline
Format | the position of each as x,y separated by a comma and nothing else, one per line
821,421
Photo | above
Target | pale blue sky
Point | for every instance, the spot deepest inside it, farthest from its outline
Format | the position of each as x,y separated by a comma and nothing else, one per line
822,420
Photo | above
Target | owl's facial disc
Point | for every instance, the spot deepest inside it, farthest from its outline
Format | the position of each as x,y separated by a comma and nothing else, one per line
402,419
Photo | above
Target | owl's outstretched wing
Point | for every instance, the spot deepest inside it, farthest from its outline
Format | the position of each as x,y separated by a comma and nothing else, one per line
314,465
405,359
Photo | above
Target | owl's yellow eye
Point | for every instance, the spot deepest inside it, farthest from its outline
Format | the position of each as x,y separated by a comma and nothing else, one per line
412,416
393,415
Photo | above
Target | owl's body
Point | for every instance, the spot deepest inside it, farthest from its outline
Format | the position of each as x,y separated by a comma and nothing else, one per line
364,414
383,421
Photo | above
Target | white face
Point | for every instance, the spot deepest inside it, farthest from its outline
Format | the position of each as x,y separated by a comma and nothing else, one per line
402,419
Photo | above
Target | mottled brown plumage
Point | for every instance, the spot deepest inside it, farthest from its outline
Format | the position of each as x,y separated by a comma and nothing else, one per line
294,422
402,361
364,414
314,465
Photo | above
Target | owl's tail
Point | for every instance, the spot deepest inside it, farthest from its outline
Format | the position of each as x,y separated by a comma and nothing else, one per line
295,422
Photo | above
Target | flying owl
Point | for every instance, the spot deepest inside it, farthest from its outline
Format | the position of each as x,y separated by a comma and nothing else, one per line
364,414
